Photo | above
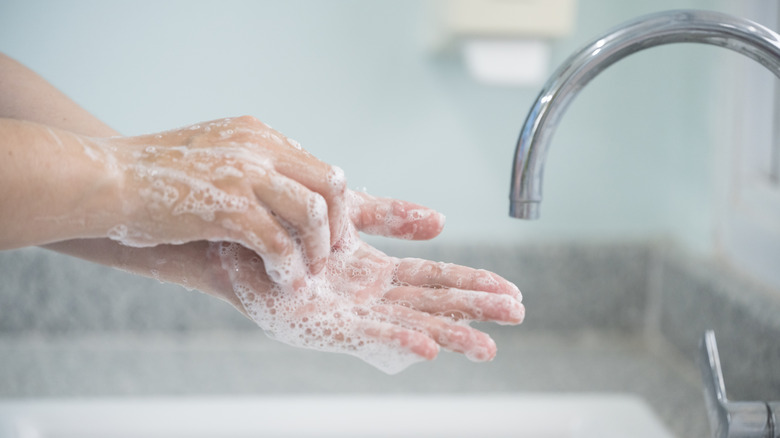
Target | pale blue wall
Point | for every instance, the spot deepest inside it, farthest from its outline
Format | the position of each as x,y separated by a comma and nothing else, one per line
356,84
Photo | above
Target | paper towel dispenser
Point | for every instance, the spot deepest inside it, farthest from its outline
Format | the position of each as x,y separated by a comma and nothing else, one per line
505,42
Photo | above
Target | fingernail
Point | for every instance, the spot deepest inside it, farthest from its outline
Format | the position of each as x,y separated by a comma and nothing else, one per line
517,294
517,313
514,291
482,353
442,218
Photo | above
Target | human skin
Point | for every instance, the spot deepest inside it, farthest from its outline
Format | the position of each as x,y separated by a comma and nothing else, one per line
230,179
415,306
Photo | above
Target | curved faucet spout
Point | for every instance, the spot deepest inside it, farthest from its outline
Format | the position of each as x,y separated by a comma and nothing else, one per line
740,35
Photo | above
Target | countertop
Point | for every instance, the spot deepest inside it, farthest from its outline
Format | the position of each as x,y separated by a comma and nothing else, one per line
247,363
617,318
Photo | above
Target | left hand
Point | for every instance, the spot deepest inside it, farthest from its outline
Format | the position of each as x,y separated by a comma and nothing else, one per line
390,312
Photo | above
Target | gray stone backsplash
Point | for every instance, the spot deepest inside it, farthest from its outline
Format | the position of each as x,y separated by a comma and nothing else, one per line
565,288
627,288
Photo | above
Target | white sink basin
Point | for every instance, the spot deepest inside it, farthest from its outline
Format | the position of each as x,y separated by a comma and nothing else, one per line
480,415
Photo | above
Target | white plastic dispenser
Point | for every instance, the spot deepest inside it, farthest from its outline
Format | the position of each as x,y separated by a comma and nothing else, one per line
505,42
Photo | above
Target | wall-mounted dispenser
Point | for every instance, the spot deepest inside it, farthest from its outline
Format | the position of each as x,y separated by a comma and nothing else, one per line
505,42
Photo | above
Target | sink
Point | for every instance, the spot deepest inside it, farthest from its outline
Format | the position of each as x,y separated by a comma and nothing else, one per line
451,415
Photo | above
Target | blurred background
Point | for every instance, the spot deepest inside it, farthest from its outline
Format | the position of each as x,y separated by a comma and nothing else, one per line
674,147
645,152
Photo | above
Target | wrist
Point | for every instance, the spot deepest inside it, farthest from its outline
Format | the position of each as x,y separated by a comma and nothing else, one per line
54,186
102,181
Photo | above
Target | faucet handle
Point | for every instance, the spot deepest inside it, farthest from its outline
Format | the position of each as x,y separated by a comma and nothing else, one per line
732,419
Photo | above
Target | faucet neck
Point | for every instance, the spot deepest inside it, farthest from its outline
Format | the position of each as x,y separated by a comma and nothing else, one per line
684,26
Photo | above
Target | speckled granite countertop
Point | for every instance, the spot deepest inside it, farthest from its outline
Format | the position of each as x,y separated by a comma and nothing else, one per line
610,318
243,363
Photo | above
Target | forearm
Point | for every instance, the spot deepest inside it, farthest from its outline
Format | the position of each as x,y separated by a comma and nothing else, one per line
52,186
225,180
24,95
191,265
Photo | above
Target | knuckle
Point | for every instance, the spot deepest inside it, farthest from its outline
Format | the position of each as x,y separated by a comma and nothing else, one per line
366,218
433,271
398,209
316,211
247,120
281,244
337,181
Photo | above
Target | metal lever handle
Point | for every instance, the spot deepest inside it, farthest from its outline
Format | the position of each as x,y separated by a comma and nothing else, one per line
732,419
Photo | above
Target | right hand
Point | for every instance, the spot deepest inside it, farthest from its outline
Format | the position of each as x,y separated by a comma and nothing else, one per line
233,180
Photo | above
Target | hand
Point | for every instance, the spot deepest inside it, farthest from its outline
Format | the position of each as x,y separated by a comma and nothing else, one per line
400,309
229,180
390,312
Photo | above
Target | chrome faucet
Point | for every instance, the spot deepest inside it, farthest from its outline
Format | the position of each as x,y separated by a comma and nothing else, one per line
727,418
738,34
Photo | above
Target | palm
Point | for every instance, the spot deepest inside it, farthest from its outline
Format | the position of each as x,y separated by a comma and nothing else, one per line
389,312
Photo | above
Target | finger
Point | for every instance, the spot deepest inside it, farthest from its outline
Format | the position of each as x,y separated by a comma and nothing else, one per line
230,264
474,344
300,208
320,177
394,218
297,164
458,304
258,230
418,272
409,340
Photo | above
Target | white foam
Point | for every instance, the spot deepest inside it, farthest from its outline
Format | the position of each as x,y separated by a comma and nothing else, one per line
118,232
202,198
317,209
338,310
391,217
92,149
337,180
329,314
130,236
294,144
227,171
276,138
160,195
54,136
